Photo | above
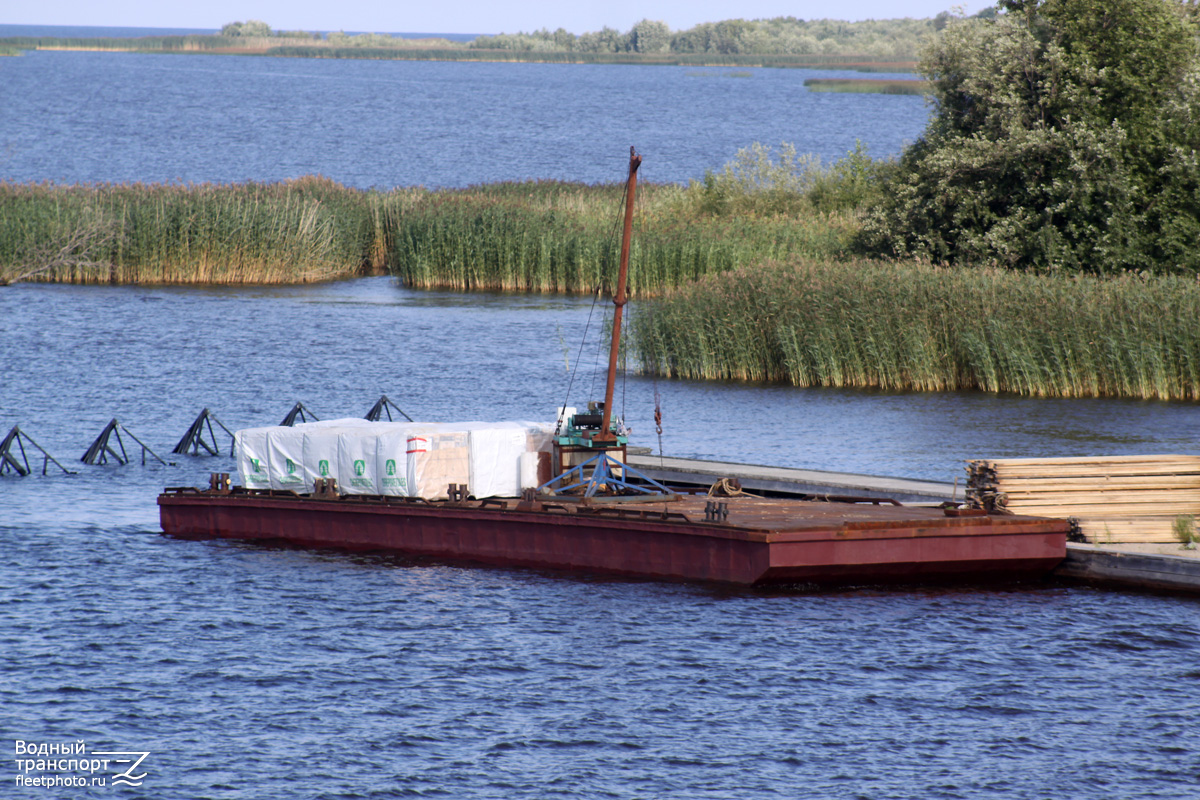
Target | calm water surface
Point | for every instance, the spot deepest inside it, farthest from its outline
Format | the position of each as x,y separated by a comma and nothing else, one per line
252,672
85,117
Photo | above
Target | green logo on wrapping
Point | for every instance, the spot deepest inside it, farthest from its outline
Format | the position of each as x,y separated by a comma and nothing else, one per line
390,466
323,467
360,466
255,464
291,467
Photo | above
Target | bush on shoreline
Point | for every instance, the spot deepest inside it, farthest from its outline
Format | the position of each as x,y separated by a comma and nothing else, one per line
1065,137
756,184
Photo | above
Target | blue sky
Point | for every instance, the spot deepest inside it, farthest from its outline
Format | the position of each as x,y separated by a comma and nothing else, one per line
451,16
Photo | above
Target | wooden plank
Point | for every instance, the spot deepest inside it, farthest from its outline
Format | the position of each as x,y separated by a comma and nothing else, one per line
1104,509
1104,483
1128,531
1116,509
1157,468
1151,459
1149,538
1096,471
1106,498
1108,536
1116,498
1132,523
1097,497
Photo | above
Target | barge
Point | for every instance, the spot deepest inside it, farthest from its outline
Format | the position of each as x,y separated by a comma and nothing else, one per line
738,540
562,496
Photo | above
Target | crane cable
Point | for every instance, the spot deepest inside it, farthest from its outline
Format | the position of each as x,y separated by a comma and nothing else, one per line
595,297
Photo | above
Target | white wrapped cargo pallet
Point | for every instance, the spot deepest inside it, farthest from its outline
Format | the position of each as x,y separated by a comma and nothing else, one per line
391,460
357,460
404,459
319,453
495,454
285,453
253,458
438,457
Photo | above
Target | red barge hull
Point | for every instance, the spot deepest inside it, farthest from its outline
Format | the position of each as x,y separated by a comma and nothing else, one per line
759,541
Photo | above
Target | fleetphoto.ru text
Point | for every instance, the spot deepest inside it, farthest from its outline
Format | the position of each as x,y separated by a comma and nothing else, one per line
72,764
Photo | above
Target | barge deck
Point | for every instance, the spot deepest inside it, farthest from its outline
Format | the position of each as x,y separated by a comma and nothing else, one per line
738,540
787,481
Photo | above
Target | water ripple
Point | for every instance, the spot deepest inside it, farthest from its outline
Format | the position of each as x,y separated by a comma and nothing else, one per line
265,672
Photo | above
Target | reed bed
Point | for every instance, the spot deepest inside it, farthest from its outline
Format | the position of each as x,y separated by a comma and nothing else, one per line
192,43
746,296
412,49
910,326
529,237
774,60
868,86
563,237
297,231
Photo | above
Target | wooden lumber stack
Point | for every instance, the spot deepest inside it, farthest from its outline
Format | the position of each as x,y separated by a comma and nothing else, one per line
1112,499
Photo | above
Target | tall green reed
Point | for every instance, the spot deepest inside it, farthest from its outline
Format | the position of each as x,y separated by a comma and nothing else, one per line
534,236
916,327
564,237
303,230
867,86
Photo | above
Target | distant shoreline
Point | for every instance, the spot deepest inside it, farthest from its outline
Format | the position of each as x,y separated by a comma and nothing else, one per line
725,49
133,32
216,45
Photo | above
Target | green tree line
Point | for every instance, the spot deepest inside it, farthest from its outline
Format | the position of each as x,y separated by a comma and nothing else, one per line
896,39
893,39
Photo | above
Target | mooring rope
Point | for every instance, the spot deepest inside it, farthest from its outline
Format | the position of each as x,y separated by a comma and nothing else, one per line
728,487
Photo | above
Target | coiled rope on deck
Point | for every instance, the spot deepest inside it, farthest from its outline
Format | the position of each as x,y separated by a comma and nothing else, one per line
728,487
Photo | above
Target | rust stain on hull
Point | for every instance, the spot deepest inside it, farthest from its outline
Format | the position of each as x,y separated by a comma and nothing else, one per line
760,542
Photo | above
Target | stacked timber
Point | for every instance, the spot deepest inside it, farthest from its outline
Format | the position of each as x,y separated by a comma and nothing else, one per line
1111,499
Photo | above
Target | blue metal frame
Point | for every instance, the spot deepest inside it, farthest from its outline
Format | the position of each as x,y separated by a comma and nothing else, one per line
603,475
